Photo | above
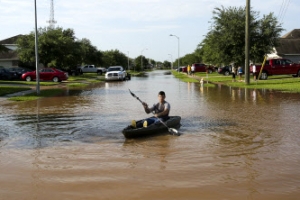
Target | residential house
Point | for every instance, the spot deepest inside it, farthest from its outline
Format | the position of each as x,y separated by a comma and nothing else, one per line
9,58
288,47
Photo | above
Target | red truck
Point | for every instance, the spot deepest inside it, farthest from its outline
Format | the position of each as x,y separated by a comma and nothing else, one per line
279,66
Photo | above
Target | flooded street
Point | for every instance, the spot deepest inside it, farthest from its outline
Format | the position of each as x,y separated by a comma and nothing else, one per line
235,144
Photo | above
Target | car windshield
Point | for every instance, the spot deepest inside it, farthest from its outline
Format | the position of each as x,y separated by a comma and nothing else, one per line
114,69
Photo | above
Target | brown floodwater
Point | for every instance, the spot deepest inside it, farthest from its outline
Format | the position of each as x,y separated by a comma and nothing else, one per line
235,144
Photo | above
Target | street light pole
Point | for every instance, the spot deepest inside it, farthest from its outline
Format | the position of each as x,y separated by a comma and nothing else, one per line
178,47
142,58
36,54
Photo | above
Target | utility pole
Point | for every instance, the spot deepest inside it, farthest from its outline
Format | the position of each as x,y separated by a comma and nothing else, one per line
247,43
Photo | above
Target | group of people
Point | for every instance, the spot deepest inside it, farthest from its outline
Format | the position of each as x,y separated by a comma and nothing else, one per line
239,71
191,70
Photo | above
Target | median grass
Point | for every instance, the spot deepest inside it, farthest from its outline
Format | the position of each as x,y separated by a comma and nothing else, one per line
28,83
4,90
34,96
88,77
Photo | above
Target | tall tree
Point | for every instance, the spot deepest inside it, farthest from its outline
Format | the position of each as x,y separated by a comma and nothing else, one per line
59,48
114,57
225,42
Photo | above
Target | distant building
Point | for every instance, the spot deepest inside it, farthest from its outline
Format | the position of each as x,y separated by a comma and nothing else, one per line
288,47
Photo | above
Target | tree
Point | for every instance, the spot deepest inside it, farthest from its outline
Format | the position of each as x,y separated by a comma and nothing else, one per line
189,59
114,57
225,42
167,64
89,53
138,63
58,48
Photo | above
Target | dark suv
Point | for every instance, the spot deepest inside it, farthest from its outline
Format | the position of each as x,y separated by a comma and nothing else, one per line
7,75
226,70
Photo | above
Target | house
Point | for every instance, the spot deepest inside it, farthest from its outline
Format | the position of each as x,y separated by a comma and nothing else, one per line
288,47
9,58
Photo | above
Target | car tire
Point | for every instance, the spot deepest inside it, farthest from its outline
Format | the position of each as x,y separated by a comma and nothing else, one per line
209,71
298,74
55,79
28,78
99,72
264,75
226,73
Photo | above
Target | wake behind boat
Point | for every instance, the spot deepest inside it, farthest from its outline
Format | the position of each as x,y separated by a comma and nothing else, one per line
131,132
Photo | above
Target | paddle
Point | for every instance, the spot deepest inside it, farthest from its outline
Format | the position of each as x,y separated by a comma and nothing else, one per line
171,130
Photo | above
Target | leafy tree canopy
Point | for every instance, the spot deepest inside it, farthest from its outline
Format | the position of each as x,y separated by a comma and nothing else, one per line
225,42
58,48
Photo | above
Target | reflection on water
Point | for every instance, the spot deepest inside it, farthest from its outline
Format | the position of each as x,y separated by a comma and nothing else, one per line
243,142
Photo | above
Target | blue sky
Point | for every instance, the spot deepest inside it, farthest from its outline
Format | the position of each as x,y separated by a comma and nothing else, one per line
132,26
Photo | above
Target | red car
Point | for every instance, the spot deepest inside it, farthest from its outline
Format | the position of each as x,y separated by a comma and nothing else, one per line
46,74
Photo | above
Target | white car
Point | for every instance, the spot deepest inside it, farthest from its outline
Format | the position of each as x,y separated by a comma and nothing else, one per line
115,73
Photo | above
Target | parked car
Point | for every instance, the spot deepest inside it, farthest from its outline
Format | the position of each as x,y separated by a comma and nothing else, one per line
179,69
116,73
75,71
92,69
226,70
200,67
19,71
5,74
46,74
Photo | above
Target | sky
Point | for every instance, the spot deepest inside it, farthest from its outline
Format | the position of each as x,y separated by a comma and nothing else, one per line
136,27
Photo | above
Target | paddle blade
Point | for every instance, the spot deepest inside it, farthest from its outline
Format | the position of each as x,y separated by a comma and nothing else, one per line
131,93
173,131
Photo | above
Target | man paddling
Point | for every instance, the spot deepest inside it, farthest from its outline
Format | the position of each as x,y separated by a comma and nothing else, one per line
161,111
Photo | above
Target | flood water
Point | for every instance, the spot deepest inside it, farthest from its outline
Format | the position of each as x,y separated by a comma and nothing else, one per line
235,144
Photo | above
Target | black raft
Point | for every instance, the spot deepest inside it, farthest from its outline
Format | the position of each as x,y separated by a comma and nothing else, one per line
131,132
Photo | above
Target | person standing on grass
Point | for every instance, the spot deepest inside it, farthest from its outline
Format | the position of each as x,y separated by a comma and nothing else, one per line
188,70
254,71
193,70
240,71
233,71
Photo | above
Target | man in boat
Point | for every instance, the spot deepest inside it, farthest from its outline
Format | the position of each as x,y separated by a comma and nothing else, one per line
161,112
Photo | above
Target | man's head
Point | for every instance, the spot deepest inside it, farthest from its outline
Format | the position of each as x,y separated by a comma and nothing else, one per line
161,96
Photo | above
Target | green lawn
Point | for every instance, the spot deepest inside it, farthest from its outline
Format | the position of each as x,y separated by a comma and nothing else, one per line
34,96
286,83
4,90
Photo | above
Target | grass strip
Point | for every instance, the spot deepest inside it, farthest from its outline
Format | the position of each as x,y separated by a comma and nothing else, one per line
4,90
34,96
29,83
285,83
77,84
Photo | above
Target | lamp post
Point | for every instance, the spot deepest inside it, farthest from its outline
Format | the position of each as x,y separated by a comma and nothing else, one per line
142,58
36,53
178,47
171,61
